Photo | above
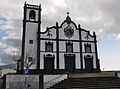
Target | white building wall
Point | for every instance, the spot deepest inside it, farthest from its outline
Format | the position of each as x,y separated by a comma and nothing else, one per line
31,34
76,47
62,46
61,61
84,34
52,31
77,61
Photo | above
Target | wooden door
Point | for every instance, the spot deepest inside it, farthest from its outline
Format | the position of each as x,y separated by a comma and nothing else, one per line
49,63
69,63
88,63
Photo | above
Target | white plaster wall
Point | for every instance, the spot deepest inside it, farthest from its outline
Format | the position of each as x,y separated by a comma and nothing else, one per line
31,34
94,61
76,47
42,60
84,34
61,61
62,46
52,31
83,47
42,45
36,12
93,47
77,61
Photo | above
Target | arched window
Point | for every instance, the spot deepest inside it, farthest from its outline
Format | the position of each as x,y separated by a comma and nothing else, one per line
32,14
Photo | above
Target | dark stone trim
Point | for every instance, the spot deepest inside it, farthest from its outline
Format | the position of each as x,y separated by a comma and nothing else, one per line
57,44
87,32
30,6
65,21
96,53
66,40
47,29
33,8
23,38
41,81
80,44
60,71
65,52
38,40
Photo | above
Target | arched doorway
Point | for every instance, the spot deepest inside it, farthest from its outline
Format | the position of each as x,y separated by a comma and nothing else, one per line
88,63
49,63
69,62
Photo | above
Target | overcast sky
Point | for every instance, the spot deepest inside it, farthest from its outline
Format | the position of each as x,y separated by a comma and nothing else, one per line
101,16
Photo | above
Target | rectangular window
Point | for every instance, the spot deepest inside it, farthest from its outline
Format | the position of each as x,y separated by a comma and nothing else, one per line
87,48
30,59
30,41
49,46
69,47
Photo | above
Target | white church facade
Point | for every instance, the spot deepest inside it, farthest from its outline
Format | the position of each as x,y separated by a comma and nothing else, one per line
62,48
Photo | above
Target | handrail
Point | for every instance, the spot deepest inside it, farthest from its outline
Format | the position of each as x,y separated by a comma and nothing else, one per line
50,81
53,79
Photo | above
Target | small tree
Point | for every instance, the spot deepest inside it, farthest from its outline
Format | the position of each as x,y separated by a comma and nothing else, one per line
28,61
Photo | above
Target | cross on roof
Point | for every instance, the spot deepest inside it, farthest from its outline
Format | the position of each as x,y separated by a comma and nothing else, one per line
67,13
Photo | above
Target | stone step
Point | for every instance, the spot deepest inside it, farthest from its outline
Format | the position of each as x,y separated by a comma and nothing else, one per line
101,74
89,83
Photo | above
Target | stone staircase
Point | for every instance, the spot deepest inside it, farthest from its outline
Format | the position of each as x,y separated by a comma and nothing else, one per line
97,82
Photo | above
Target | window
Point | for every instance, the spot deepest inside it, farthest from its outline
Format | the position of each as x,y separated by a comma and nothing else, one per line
48,46
32,14
87,48
30,41
30,59
69,47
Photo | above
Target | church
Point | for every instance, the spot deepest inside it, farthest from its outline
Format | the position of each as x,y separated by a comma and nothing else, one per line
64,56
62,48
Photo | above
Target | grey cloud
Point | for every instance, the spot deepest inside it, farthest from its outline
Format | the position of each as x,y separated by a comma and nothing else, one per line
93,15
13,42
6,58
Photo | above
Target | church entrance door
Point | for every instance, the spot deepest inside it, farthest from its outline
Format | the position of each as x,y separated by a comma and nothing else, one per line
49,63
69,62
88,63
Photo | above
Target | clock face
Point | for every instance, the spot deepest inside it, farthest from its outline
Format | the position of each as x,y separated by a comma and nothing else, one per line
68,31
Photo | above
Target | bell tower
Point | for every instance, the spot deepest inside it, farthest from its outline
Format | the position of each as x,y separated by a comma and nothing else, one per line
31,35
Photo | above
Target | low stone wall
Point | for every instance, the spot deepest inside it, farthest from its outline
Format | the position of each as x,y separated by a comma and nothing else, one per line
22,81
